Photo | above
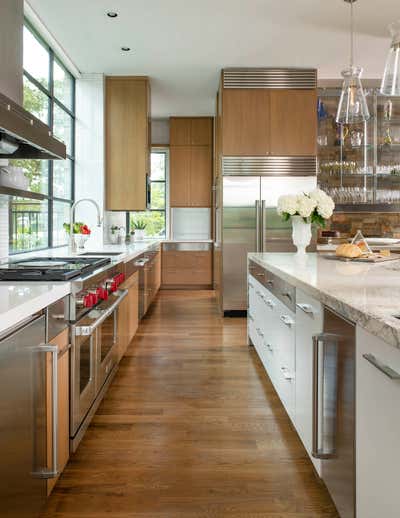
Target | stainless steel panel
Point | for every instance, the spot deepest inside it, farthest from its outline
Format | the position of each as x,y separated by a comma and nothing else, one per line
239,224
57,317
299,78
34,139
277,234
23,421
187,247
337,411
269,165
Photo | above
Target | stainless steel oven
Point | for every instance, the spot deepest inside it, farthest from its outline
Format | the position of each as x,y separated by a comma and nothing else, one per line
94,359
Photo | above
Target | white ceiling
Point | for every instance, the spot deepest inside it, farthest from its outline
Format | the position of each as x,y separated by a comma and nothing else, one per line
183,44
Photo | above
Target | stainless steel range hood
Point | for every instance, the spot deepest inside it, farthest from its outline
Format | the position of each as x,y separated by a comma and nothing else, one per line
24,136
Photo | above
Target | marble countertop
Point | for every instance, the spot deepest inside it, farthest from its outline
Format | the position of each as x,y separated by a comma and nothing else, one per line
19,300
367,294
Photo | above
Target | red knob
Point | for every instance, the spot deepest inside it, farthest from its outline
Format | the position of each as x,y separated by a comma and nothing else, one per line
114,286
87,301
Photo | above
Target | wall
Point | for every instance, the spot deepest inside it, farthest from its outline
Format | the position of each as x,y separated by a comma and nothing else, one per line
11,21
89,151
385,224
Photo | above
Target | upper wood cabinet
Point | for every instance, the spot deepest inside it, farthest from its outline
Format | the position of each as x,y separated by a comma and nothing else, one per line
260,122
191,145
127,105
293,122
190,131
246,122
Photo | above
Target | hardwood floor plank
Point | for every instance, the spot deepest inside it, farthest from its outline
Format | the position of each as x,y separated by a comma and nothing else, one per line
191,427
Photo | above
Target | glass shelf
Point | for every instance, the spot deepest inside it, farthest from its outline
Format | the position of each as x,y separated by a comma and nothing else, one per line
361,173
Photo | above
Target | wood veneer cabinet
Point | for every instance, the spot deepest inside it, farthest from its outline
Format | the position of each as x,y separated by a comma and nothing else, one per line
62,343
128,314
191,144
127,143
259,122
186,269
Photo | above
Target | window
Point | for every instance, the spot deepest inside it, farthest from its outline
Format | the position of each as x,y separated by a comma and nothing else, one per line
155,217
49,94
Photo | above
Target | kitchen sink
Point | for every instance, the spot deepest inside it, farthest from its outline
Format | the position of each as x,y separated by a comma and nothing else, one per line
101,254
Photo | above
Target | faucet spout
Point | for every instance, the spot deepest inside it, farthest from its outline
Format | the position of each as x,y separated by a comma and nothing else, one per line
72,244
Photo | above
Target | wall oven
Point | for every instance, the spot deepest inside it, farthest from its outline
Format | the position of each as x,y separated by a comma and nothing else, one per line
94,361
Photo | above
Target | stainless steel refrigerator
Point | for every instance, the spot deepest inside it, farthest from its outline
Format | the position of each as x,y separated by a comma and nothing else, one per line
246,219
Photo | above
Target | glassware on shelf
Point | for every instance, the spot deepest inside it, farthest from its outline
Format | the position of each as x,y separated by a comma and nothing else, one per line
356,137
322,140
387,139
388,110
391,77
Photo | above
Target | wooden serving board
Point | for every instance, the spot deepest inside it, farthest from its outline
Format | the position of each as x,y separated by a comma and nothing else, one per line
370,259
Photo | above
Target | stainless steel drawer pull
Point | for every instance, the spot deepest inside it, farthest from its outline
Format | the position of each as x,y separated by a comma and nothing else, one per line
385,369
307,308
289,376
251,285
269,346
287,320
287,295
251,317
270,303
270,283
259,332
260,274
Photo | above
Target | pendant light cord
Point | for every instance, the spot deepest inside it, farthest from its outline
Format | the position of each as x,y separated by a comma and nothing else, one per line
351,33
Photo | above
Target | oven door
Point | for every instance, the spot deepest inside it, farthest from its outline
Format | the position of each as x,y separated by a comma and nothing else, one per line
83,376
93,350
106,354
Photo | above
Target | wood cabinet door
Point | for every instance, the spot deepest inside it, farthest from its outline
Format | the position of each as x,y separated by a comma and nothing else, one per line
293,122
126,142
62,343
186,268
200,176
180,131
179,191
246,122
201,131
128,314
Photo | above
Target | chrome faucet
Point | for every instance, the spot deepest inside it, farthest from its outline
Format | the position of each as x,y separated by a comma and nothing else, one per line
72,244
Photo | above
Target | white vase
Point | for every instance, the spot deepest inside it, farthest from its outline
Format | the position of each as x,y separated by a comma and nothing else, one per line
140,234
301,234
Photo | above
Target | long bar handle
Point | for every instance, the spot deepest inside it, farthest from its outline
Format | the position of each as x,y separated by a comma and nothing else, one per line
53,471
307,308
257,205
88,330
287,320
316,452
262,224
385,369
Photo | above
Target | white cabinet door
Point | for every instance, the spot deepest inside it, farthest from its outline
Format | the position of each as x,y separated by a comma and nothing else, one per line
309,322
378,428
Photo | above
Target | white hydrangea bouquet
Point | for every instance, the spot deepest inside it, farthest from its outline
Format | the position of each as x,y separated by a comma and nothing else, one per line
303,210
314,207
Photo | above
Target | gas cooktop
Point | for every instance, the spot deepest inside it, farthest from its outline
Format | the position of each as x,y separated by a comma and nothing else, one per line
50,268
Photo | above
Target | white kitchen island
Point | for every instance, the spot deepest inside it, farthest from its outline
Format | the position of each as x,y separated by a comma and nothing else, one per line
289,299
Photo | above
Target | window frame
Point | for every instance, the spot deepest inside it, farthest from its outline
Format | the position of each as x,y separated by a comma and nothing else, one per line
53,101
165,151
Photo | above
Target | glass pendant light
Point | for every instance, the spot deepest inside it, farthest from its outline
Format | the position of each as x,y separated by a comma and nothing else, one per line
391,77
353,106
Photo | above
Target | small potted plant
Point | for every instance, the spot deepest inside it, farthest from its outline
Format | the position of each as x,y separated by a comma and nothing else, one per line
140,229
80,231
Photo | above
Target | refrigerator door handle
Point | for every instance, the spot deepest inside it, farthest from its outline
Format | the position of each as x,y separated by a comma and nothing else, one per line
262,226
317,452
257,205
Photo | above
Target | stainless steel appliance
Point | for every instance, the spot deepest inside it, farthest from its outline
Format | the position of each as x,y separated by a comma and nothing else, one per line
50,268
94,304
23,430
247,221
144,263
334,409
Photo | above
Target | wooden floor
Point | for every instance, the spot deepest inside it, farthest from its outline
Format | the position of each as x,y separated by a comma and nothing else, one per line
191,427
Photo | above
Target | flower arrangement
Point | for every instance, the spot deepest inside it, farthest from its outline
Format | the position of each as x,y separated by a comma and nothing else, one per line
78,228
314,207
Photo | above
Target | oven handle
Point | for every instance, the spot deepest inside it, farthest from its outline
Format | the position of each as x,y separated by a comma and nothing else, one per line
88,330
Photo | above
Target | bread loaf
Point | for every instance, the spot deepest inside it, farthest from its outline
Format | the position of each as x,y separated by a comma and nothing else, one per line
348,250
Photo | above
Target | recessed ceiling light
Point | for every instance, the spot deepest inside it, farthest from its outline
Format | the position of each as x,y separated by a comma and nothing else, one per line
126,49
112,14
